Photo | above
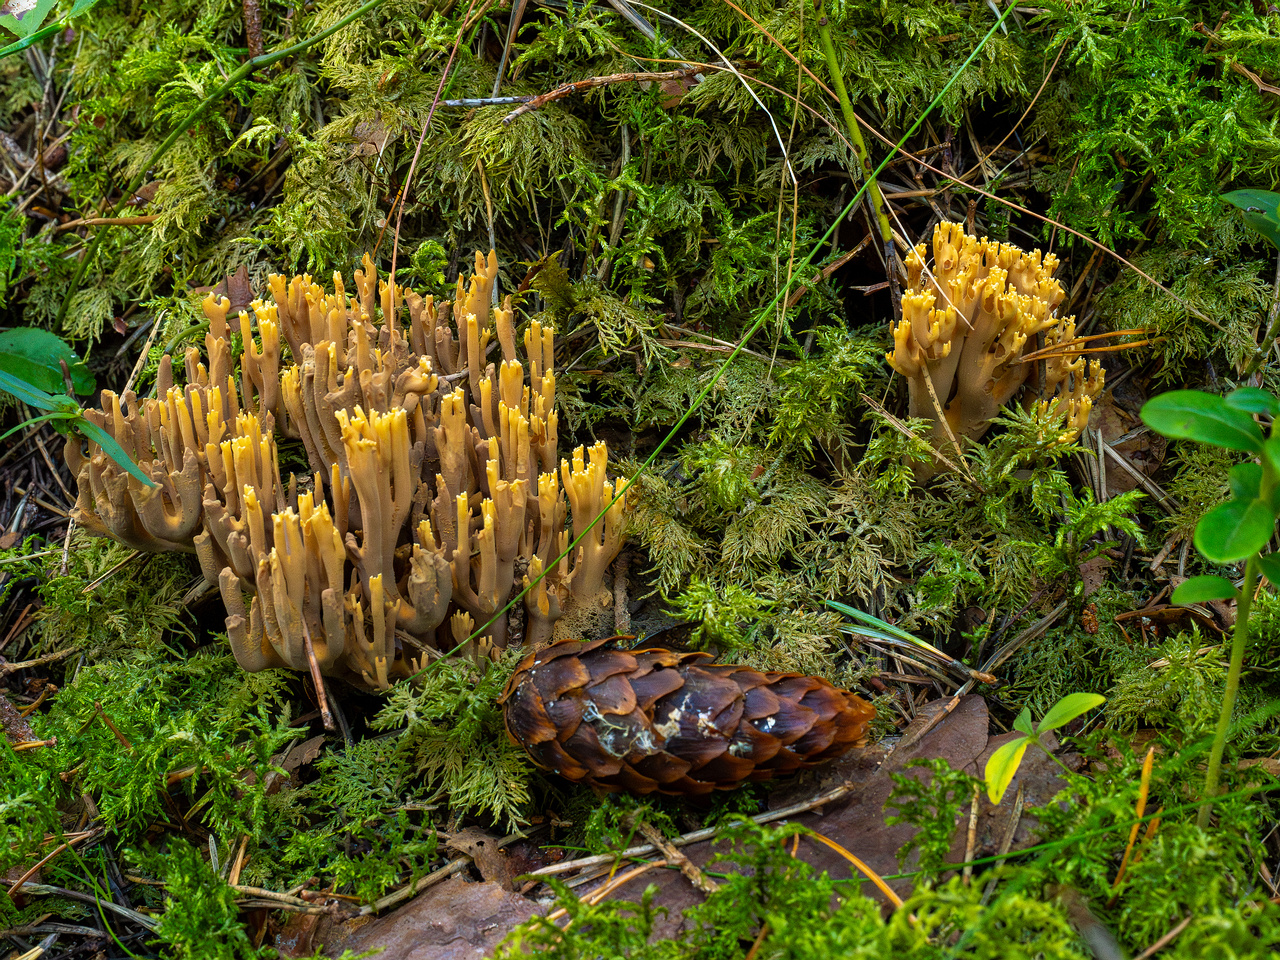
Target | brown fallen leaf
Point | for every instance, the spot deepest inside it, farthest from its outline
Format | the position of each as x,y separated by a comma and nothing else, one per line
16,728
454,920
483,850
370,136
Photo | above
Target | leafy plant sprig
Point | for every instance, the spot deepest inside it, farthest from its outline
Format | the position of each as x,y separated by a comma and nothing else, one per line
65,415
1233,531
1003,764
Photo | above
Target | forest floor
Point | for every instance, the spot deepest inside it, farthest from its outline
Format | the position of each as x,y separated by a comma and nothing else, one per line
682,192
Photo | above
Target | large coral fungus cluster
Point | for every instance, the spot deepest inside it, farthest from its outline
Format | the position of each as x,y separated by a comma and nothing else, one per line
965,324
433,488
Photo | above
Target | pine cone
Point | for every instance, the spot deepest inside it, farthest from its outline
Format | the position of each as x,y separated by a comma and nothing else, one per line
660,721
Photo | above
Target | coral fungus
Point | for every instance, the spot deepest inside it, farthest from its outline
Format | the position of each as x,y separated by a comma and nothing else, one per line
964,327
434,484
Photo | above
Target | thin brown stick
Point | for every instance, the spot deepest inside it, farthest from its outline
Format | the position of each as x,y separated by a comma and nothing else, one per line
1164,941
17,884
690,869
317,679
590,83
107,222
826,272
568,866
403,195
253,28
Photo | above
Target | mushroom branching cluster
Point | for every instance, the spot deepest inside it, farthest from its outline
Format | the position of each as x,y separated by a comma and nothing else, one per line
965,324
433,491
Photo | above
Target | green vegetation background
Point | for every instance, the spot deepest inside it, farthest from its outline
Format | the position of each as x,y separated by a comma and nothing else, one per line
784,491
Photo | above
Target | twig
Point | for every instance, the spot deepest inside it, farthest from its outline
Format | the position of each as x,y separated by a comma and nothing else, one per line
17,884
8,668
49,891
971,838
412,889
317,679
826,272
107,222
690,869
568,866
1164,941
133,555
253,28
403,196
907,432
580,86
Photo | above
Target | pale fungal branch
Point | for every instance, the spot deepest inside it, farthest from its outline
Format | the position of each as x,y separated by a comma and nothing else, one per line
433,483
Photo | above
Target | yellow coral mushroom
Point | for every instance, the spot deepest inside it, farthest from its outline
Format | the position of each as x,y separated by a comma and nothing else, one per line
965,326
433,485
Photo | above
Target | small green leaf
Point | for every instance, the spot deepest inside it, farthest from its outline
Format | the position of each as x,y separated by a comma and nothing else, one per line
27,393
33,355
1245,481
1270,564
1253,400
1022,722
1070,707
113,450
1002,766
23,17
1260,209
1199,589
26,423
1234,530
1196,415
1271,453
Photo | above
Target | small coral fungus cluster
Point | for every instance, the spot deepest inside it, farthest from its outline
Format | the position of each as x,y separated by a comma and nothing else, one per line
965,324
433,487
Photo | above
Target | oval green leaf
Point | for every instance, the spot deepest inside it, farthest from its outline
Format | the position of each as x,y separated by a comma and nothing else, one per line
1270,564
1070,707
1002,766
1200,589
1196,415
1245,481
1022,722
1234,530
28,20
1260,209
33,355
1253,400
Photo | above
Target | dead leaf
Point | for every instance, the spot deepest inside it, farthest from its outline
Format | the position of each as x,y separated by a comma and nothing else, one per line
145,194
483,850
1270,764
294,756
1144,452
458,919
1094,572
454,920
370,136
16,728
236,289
